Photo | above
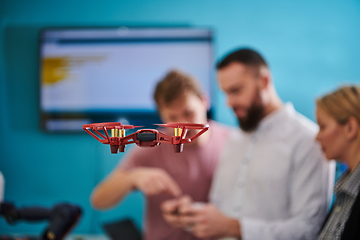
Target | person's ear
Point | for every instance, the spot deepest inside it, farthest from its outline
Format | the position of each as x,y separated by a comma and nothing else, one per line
162,118
161,114
205,99
352,128
264,78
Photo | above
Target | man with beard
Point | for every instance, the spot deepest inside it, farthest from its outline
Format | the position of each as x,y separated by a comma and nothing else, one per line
272,182
162,174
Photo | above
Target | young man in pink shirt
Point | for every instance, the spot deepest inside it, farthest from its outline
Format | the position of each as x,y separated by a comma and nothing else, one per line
162,174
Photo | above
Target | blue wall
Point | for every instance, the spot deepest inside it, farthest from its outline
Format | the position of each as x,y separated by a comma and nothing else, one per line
312,47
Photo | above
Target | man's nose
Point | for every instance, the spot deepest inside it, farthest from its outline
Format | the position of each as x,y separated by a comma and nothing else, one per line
180,119
230,101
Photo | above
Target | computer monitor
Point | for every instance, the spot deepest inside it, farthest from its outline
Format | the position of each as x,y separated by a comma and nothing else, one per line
109,74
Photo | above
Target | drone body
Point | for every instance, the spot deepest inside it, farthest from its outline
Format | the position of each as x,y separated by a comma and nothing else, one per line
143,137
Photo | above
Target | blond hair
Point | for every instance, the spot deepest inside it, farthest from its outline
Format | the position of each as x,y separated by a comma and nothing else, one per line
173,86
342,104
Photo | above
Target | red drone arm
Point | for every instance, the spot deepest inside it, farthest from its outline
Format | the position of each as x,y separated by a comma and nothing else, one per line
180,131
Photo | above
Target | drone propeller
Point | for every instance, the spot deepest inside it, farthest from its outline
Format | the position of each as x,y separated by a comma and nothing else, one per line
117,130
184,125
109,125
179,127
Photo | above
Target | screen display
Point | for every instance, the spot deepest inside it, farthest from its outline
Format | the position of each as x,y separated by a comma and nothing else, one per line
108,74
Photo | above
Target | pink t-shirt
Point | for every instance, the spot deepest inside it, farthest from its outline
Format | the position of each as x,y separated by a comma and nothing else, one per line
192,169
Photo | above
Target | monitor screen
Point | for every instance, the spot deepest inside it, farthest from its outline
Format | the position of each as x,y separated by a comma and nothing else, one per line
109,74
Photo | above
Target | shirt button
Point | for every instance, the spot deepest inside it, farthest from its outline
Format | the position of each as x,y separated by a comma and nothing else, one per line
338,225
241,184
246,160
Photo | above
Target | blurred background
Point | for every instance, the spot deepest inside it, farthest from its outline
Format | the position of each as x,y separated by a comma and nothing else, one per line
312,47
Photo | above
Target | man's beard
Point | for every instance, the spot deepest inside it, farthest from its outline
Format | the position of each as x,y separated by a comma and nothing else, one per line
254,115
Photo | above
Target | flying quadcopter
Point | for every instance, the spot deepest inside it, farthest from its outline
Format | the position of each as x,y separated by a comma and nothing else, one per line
143,137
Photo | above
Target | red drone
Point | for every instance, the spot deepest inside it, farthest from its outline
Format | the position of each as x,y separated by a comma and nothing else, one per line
142,137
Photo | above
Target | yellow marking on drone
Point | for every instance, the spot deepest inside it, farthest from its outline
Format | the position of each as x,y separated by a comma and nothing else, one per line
177,132
114,132
121,132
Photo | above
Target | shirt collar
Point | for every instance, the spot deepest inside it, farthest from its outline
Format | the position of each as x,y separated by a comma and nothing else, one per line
273,118
349,182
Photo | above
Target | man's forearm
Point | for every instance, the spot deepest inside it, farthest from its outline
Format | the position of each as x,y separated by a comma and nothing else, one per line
109,192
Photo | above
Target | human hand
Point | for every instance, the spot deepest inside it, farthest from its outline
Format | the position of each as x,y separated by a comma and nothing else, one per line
152,181
170,210
206,221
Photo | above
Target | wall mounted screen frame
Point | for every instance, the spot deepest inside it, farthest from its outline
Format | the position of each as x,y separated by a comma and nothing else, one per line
109,74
